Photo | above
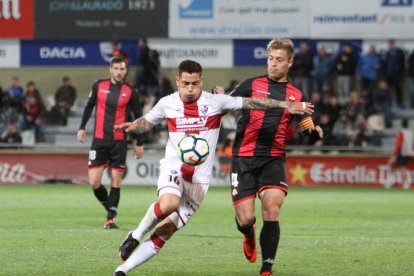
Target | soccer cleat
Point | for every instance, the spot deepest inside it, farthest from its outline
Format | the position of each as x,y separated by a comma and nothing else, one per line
249,247
119,273
110,224
266,273
127,246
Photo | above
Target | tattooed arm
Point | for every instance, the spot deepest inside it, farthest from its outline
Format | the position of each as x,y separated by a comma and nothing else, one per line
265,103
140,125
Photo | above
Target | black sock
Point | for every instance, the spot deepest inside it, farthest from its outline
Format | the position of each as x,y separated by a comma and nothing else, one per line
248,230
269,240
102,195
113,200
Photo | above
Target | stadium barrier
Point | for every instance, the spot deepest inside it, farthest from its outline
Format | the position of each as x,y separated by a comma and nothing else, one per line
19,167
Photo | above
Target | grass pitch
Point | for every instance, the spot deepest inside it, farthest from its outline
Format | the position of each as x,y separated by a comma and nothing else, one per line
58,230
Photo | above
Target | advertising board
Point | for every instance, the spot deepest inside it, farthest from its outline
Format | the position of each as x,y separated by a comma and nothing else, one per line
101,19
16,18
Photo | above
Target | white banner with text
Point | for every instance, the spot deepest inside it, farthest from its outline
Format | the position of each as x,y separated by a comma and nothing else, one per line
209,53
9,53
238,18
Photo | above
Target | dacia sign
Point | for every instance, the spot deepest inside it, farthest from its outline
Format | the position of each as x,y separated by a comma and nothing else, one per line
72,53
62,53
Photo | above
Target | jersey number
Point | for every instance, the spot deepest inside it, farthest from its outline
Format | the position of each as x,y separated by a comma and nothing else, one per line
92,154
174,178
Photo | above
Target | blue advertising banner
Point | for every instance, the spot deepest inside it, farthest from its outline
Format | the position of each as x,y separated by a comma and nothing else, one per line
253,52
250,52
73,53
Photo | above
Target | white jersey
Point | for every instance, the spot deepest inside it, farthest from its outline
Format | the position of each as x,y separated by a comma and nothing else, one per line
202,117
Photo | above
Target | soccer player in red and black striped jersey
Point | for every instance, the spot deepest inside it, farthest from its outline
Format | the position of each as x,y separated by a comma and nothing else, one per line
258,164
114,101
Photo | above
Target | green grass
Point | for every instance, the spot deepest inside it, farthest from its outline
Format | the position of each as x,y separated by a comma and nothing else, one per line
58,230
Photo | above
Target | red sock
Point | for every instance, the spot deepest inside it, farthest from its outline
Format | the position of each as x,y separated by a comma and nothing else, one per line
158,212
157,241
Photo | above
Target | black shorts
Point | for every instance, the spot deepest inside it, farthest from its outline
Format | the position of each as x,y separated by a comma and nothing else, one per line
251,175
402,161
108,153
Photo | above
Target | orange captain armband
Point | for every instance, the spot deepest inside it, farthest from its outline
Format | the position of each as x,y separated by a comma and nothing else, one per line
306,123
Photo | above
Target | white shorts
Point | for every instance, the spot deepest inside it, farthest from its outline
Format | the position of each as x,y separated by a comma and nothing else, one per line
191,194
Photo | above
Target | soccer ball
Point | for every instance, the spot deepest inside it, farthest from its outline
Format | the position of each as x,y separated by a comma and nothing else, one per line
193,150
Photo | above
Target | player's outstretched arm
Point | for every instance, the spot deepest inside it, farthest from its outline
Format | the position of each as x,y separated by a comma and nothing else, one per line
140,125
265,103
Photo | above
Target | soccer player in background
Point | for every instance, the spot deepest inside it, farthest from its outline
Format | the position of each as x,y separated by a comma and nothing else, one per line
114,101
181,188
403,152
258,163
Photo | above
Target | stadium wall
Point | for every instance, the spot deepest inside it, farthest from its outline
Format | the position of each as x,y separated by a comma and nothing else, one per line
18,167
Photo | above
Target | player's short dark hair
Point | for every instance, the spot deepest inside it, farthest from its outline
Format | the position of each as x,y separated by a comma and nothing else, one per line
117,60
189,66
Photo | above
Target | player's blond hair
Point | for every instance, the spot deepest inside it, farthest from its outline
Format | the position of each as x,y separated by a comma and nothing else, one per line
279,43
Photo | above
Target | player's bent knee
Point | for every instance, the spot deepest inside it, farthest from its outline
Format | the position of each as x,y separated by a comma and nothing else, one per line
95,185
245,221
270,215
169,203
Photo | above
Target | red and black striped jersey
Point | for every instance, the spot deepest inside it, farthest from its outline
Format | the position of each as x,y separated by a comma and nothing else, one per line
263,132
114,103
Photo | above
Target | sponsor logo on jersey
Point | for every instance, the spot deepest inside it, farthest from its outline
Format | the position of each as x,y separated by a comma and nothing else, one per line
291,98
263,92
104,91
192,122
204,109
123,94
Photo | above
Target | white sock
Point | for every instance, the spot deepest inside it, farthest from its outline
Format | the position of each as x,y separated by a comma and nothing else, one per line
147,223
148,249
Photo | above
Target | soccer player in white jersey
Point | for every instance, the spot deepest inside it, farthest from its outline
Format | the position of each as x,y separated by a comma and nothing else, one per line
181,188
